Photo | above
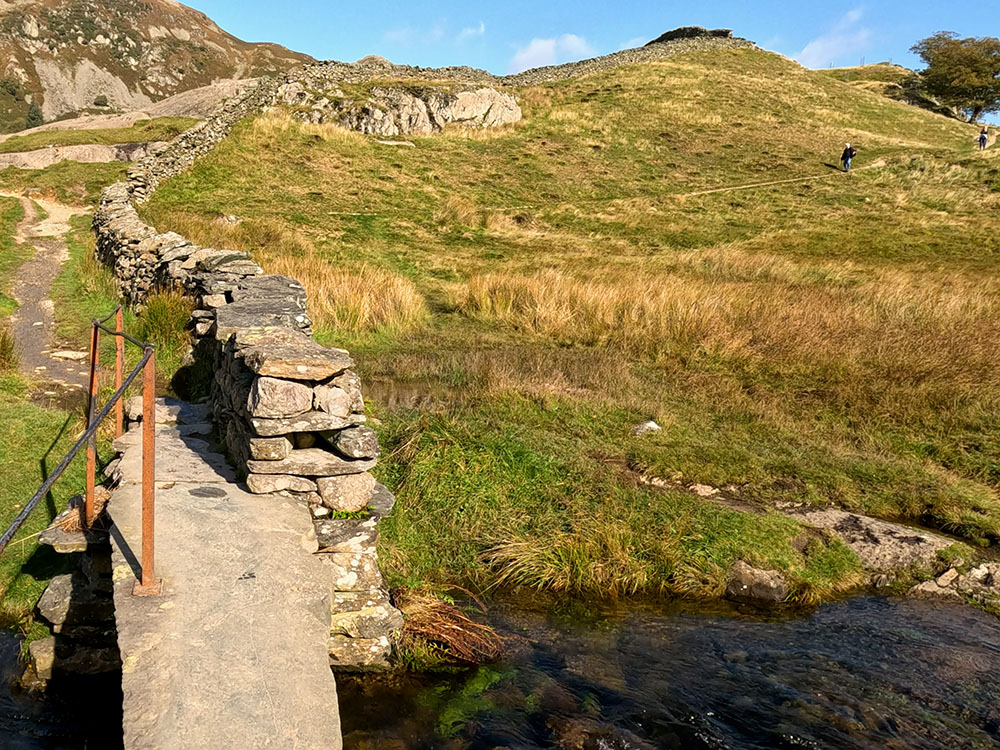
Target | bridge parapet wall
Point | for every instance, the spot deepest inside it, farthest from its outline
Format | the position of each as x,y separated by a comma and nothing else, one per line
290,411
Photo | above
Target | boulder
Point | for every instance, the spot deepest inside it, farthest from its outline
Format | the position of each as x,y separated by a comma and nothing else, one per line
346,534
355,571
313,421
263,484
333,400
366,614
270,449
347,493
354,442
50,658
359,654
70,599
290,354
753,585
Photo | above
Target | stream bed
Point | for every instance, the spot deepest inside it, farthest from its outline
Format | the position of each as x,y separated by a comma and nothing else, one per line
870,672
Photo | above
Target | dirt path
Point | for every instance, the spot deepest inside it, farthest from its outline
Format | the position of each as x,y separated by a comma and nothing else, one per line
33,322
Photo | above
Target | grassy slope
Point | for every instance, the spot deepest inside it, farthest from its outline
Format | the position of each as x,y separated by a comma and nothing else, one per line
158,129
825,341
70,182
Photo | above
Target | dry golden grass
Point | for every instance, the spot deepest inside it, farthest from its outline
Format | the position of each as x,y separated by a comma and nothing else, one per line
897,339
276,123
364,298
437,634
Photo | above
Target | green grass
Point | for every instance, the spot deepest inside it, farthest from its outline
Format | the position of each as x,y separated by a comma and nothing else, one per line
71,182
830,340
158,129
12,254
85,289
34,440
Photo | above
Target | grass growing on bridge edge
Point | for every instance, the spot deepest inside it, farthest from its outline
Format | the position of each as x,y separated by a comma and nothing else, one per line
826,341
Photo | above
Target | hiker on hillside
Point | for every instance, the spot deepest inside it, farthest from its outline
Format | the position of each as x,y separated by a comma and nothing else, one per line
984,136
848,156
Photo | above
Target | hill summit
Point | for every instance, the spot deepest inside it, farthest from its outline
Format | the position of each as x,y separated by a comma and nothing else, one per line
70,56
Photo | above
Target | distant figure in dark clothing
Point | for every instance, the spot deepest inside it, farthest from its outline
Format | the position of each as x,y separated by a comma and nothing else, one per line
984,136
848,156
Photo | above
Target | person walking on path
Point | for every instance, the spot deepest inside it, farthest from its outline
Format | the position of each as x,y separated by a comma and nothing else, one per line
848,156
984,136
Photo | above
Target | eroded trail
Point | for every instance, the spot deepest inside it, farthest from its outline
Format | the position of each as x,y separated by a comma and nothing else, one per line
33,322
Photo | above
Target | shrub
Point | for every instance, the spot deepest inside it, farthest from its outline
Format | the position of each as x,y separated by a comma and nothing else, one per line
101,101
35,117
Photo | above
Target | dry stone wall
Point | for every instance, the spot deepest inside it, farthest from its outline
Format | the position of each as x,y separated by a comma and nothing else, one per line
289,410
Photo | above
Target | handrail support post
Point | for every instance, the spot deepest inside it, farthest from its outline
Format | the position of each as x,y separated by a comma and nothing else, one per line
148,585
119,370
88,503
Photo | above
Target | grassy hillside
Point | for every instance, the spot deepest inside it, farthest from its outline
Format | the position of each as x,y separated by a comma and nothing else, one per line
828,339
157,129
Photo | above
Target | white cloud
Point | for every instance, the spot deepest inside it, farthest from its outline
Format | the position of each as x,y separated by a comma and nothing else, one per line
846,37
471,32
634,42
541,52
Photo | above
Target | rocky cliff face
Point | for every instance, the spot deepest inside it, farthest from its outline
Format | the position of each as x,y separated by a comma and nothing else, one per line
67,56
402,109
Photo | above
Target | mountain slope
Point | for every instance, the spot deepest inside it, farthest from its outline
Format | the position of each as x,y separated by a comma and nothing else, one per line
73,55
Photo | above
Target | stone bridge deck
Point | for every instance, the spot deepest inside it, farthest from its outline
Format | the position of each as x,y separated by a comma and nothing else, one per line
233,653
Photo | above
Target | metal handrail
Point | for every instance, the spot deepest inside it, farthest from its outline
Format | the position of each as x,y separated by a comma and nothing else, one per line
147,585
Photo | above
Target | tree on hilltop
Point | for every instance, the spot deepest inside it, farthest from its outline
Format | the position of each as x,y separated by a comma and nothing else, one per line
962,73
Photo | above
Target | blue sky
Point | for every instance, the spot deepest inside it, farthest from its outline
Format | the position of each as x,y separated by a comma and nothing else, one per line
508,36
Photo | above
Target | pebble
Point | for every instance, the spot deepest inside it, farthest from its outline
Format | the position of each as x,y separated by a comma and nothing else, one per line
947,578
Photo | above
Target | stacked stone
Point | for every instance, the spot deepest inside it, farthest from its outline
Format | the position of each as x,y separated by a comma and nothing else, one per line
293,418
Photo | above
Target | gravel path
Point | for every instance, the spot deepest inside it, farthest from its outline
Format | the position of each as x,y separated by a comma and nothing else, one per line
33,322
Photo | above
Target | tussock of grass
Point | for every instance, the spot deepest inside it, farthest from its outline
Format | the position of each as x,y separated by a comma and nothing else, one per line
9,357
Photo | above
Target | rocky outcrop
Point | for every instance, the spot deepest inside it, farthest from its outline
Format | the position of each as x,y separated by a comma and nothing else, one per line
395,110
691,32
980,585
84,55
86,154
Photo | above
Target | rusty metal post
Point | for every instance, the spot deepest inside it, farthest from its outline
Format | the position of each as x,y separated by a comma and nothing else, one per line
119,367
148,586
88,503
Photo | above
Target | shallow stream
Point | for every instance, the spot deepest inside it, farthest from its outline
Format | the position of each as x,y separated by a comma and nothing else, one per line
866,673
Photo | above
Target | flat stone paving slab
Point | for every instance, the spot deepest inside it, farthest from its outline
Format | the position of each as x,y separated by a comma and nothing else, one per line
233,654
